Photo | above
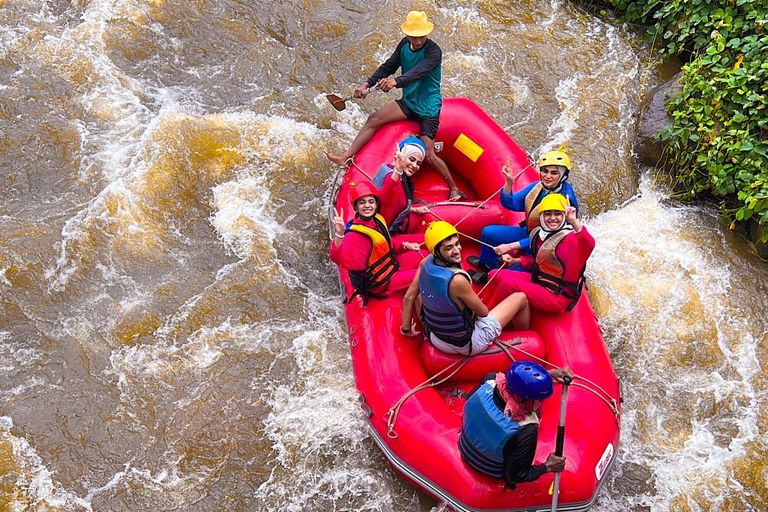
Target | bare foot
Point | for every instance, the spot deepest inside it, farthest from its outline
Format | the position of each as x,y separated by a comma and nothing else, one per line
456,195
337,159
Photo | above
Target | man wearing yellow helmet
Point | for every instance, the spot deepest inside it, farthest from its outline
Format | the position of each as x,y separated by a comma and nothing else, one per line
560,247
451,313
554,169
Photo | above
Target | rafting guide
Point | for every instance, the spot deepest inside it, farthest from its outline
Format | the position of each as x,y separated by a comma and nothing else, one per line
420,60
500,426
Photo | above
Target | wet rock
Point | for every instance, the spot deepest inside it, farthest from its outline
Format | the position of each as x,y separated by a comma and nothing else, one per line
653,118
637,477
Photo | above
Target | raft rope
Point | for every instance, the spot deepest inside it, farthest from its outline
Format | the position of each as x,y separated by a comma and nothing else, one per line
351,161
609,401
394,411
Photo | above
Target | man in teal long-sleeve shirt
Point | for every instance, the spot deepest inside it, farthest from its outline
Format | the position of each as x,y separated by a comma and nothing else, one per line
420,60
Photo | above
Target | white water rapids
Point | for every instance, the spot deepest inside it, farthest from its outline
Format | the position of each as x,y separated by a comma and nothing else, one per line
171,333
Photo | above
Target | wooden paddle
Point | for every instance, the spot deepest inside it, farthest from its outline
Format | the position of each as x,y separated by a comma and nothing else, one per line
340,103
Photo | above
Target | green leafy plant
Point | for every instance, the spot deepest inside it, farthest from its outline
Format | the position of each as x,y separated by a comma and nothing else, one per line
717,141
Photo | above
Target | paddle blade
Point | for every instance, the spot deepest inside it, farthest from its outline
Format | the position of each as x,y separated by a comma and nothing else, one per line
337,102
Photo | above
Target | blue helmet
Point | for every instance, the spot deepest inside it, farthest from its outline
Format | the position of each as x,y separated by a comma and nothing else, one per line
413,141
529,380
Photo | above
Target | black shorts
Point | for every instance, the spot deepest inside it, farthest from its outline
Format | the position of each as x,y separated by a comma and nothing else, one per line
428,125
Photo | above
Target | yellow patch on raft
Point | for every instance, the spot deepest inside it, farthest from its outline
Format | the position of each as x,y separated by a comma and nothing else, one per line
468,147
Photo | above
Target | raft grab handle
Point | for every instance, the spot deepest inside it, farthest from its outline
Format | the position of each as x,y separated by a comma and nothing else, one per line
365,407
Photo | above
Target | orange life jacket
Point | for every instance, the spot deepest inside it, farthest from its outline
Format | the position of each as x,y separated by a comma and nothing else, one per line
382,263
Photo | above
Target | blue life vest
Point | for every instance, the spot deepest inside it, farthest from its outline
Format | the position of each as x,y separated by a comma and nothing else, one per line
484,433
401,222
441,315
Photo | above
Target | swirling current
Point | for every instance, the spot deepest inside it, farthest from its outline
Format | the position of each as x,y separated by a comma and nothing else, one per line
171,330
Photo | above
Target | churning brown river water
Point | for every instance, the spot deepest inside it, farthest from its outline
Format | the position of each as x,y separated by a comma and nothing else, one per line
171,333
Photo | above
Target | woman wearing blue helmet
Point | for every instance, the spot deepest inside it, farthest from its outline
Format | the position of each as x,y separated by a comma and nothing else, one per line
500,426
396,184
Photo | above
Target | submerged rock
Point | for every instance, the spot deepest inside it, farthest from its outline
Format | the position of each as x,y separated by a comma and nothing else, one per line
653,118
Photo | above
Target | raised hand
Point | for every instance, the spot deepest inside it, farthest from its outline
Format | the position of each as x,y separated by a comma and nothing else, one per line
338,222
400,161
509,176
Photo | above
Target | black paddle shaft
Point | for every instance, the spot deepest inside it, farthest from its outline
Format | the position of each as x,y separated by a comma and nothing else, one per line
561,428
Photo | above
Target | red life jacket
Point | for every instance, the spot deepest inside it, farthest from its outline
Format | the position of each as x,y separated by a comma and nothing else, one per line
549,271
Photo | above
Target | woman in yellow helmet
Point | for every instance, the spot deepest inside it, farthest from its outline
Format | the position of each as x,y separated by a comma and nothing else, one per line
560,247
554,169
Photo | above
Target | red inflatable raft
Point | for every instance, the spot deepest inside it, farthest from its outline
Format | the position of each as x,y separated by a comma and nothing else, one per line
417,427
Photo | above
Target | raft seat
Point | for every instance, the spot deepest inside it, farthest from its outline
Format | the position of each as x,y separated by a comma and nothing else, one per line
491,359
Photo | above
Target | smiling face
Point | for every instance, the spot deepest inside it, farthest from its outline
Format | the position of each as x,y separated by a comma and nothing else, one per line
417,42
414,163
450,249
550,174
366,206
552,219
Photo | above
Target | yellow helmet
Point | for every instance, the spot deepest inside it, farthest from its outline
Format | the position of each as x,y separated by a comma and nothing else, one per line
437,232
556,158
553,202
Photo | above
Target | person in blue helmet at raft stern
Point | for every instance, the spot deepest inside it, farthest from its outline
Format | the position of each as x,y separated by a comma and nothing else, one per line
420,60
500,426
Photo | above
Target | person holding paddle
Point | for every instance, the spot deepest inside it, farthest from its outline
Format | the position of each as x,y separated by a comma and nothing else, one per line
420,60
499,431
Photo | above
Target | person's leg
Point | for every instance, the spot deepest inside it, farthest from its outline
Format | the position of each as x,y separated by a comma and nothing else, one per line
494,235
410,260
514,307
508,282
438,164
400,281
387,114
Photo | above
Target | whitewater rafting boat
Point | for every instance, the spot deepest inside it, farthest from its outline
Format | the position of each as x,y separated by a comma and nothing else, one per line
416,424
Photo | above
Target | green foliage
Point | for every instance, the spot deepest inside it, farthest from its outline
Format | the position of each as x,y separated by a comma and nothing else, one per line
718,138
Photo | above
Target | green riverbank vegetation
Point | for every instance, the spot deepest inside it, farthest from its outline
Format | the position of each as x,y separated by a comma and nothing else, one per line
716,144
